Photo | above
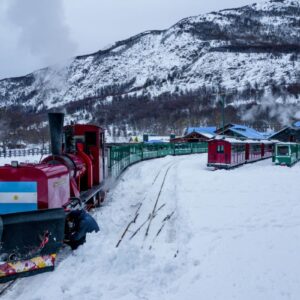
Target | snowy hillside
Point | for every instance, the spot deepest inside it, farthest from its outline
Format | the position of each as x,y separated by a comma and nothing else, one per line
230,235
253,50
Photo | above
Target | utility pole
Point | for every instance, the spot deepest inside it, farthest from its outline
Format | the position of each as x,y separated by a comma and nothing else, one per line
223,110
223,102
222,95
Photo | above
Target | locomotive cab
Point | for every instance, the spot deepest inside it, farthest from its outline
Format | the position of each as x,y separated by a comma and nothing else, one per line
87,142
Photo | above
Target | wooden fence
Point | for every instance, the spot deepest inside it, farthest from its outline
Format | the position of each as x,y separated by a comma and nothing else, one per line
24,152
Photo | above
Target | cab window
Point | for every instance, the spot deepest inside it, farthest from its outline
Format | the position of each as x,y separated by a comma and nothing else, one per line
220,149
283,150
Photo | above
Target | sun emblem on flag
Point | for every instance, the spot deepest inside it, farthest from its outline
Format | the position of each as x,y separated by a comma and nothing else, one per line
16,197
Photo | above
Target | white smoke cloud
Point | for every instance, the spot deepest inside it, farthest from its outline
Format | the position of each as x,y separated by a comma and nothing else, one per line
283,110
33,34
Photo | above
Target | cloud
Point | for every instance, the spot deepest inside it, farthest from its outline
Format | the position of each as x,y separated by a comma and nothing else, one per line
33,34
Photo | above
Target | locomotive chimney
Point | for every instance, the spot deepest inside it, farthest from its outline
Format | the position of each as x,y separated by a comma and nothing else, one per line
56,123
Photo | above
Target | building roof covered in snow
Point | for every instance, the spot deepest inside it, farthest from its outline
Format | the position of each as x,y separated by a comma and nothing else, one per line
195,134
202,130
241,131
158,138
155,142
228,139
267,135
296,124
288,133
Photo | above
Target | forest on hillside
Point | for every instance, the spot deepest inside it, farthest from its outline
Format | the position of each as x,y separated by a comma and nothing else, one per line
165,114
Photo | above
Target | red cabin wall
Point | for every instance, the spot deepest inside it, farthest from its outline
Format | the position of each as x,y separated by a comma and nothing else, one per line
219,158
237,156
255,152
247,152
268,150
93,153
227,157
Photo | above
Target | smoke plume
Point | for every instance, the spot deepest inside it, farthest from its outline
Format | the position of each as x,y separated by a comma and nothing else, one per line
284,110
37,33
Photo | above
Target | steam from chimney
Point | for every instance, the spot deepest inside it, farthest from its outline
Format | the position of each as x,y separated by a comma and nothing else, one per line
283,110
35,31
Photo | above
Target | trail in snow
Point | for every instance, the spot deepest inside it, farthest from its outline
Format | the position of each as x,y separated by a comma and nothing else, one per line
233,235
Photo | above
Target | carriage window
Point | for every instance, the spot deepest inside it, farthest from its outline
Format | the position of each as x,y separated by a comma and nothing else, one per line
241,148
220,149
283,150
255,148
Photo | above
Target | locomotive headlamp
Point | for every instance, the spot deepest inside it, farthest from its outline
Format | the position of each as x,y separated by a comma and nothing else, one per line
15,163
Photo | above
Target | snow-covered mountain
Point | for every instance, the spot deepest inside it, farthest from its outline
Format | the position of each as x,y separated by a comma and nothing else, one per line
249,52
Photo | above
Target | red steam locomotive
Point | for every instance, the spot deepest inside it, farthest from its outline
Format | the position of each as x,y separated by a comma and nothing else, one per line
35,197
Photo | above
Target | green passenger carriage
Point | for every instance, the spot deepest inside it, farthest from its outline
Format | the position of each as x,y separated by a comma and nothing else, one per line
121,156
286,153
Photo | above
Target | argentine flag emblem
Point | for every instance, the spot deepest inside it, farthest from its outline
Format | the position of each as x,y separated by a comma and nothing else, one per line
17,196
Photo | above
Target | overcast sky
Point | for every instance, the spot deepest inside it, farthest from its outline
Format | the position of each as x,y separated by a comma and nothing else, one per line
37,33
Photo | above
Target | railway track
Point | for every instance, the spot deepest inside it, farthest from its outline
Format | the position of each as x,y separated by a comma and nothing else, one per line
156,201
136,215
134,227
4,287
159,172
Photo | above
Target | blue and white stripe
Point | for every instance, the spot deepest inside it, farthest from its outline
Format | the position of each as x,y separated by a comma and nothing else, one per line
18,196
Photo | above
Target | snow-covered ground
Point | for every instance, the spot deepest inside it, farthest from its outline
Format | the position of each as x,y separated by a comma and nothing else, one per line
233,235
